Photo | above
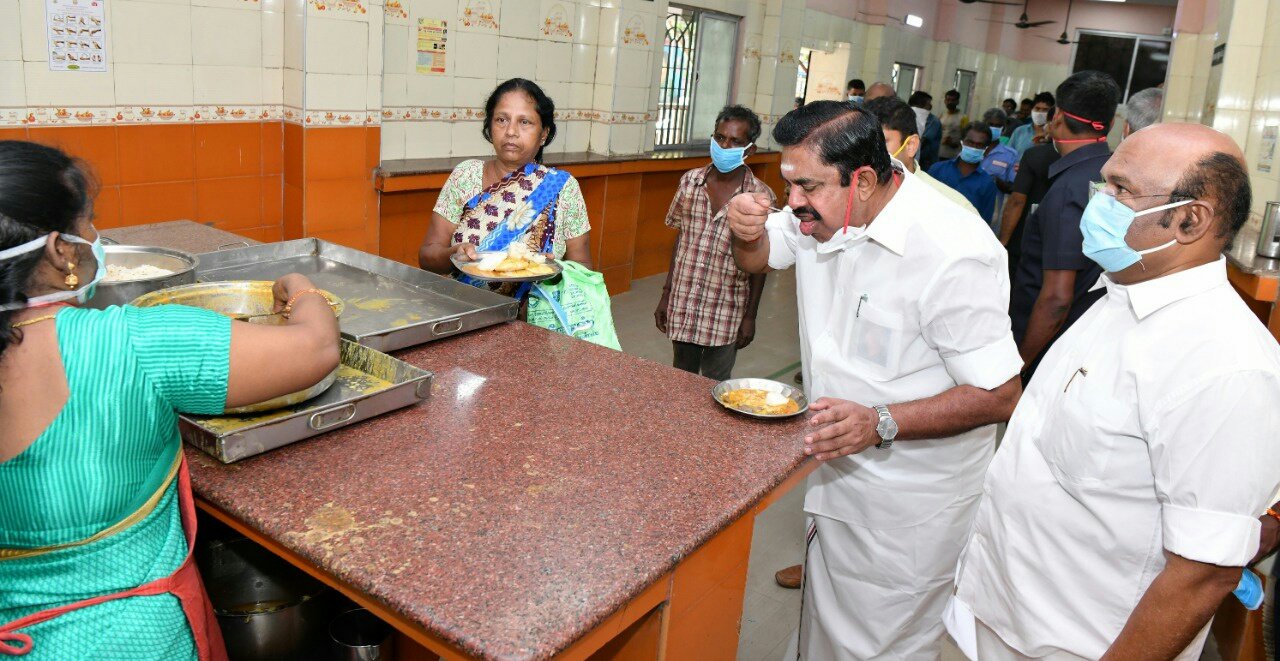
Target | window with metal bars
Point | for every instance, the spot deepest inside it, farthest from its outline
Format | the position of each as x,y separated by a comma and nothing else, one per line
699,53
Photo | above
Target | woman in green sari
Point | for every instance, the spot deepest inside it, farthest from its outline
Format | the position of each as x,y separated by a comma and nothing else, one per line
96,520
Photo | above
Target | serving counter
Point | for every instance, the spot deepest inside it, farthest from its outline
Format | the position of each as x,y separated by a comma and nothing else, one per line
1254,277
551,499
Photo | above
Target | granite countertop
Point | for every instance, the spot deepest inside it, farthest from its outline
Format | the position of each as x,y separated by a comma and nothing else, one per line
418,166
178,234
1244,255
544,484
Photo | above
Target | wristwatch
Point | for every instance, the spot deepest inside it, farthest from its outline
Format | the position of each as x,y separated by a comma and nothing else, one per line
887,428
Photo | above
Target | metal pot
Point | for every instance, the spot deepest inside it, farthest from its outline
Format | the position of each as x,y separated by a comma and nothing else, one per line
182,264
267,609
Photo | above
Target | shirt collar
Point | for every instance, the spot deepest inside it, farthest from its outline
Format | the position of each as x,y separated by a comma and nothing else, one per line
1095,150
890,226
1147,297
748,180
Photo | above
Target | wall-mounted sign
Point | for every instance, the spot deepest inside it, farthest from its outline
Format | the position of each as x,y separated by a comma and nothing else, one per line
1267,151
433,38
77,32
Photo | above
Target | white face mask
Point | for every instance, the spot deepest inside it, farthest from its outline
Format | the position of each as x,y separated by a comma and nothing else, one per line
1039,118
81,295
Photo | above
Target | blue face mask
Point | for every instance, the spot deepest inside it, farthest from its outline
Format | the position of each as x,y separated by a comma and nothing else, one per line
995,132
81,295
727,160
1105,223
971,154
855,98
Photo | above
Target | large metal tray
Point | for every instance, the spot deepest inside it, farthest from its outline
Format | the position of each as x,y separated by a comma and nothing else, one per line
389,305
369,383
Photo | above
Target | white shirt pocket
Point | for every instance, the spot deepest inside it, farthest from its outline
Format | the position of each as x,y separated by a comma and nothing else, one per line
1083,426
873,336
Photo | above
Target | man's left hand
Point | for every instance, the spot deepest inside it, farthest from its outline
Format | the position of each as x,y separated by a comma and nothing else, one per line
746,332
846,428
1269,539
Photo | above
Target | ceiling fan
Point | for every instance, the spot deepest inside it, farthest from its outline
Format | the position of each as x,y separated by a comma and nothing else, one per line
1062,38
1023,22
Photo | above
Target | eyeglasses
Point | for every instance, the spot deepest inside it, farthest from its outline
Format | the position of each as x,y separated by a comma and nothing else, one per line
1096,187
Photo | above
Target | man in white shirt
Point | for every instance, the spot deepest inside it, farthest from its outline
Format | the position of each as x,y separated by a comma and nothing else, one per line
908,356
1125,498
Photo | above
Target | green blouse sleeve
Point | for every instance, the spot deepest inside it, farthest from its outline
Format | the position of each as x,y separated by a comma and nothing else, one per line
464,182
185,352
571,212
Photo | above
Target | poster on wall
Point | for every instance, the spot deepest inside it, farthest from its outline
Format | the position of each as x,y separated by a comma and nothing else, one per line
433,37
1268,151
77,33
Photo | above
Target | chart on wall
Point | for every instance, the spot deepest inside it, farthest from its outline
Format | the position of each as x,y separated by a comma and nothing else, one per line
433,37
77,34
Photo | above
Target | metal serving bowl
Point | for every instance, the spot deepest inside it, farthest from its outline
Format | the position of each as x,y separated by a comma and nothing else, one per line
247,298
182,264
790,392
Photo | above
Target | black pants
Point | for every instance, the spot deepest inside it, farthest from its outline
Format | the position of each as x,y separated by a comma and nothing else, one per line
711,362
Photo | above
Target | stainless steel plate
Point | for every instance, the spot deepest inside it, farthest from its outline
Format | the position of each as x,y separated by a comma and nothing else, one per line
459,262
790,392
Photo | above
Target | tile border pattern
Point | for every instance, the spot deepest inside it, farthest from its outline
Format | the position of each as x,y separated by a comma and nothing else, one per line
141,115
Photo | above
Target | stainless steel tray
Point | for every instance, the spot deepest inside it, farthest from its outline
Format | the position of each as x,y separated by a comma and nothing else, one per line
389,305
369,383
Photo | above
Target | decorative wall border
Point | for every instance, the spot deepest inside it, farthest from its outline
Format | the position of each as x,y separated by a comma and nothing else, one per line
210,114
472,114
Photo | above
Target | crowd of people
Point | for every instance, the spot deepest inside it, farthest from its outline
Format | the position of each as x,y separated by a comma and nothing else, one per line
953,274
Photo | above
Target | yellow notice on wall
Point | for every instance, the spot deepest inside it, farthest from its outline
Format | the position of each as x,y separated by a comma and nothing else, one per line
433,38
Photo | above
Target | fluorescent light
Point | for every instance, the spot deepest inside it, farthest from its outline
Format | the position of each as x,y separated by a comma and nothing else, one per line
915,21
1111,0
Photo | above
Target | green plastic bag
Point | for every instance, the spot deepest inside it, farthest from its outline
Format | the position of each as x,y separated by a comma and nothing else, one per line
578,302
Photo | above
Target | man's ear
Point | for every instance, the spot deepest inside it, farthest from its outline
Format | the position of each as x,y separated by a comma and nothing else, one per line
1196,220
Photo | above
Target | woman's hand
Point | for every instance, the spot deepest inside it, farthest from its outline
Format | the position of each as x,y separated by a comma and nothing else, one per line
467,251
286,287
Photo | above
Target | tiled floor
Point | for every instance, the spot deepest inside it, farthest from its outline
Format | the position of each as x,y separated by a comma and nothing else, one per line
770,613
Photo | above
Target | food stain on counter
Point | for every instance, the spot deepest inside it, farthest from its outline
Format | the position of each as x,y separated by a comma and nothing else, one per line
330,524
372,304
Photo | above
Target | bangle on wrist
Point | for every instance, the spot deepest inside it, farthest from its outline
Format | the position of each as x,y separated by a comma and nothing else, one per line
288,307
1271,512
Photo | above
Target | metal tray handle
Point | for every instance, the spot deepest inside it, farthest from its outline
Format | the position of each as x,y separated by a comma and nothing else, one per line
446,327
319,423
233,244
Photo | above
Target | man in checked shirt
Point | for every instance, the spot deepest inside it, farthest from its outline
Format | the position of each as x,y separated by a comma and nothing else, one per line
708,307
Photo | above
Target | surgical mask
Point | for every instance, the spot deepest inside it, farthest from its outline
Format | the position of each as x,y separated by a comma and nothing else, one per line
971,154
855,98
1105,223
81,295
922,119
845,235
727,160
995,132
1039,117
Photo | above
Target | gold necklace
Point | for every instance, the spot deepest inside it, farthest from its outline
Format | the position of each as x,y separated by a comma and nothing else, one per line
36,320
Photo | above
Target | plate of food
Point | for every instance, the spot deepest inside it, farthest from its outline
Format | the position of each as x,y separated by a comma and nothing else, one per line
516,264
761,398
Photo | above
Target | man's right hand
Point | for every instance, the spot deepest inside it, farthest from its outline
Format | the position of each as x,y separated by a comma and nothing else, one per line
747,214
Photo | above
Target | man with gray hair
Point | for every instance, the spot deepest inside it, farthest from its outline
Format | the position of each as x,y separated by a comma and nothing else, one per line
1143,109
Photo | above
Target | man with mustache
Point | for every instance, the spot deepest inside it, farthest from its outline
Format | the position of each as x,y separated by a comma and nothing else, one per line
908,356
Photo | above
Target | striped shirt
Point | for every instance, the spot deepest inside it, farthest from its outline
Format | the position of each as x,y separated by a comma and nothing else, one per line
708,292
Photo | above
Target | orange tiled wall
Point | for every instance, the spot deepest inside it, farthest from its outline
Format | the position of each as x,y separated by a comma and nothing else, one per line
328,184
227,174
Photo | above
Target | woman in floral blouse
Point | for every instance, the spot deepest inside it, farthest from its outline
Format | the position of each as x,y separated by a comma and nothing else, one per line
535,204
